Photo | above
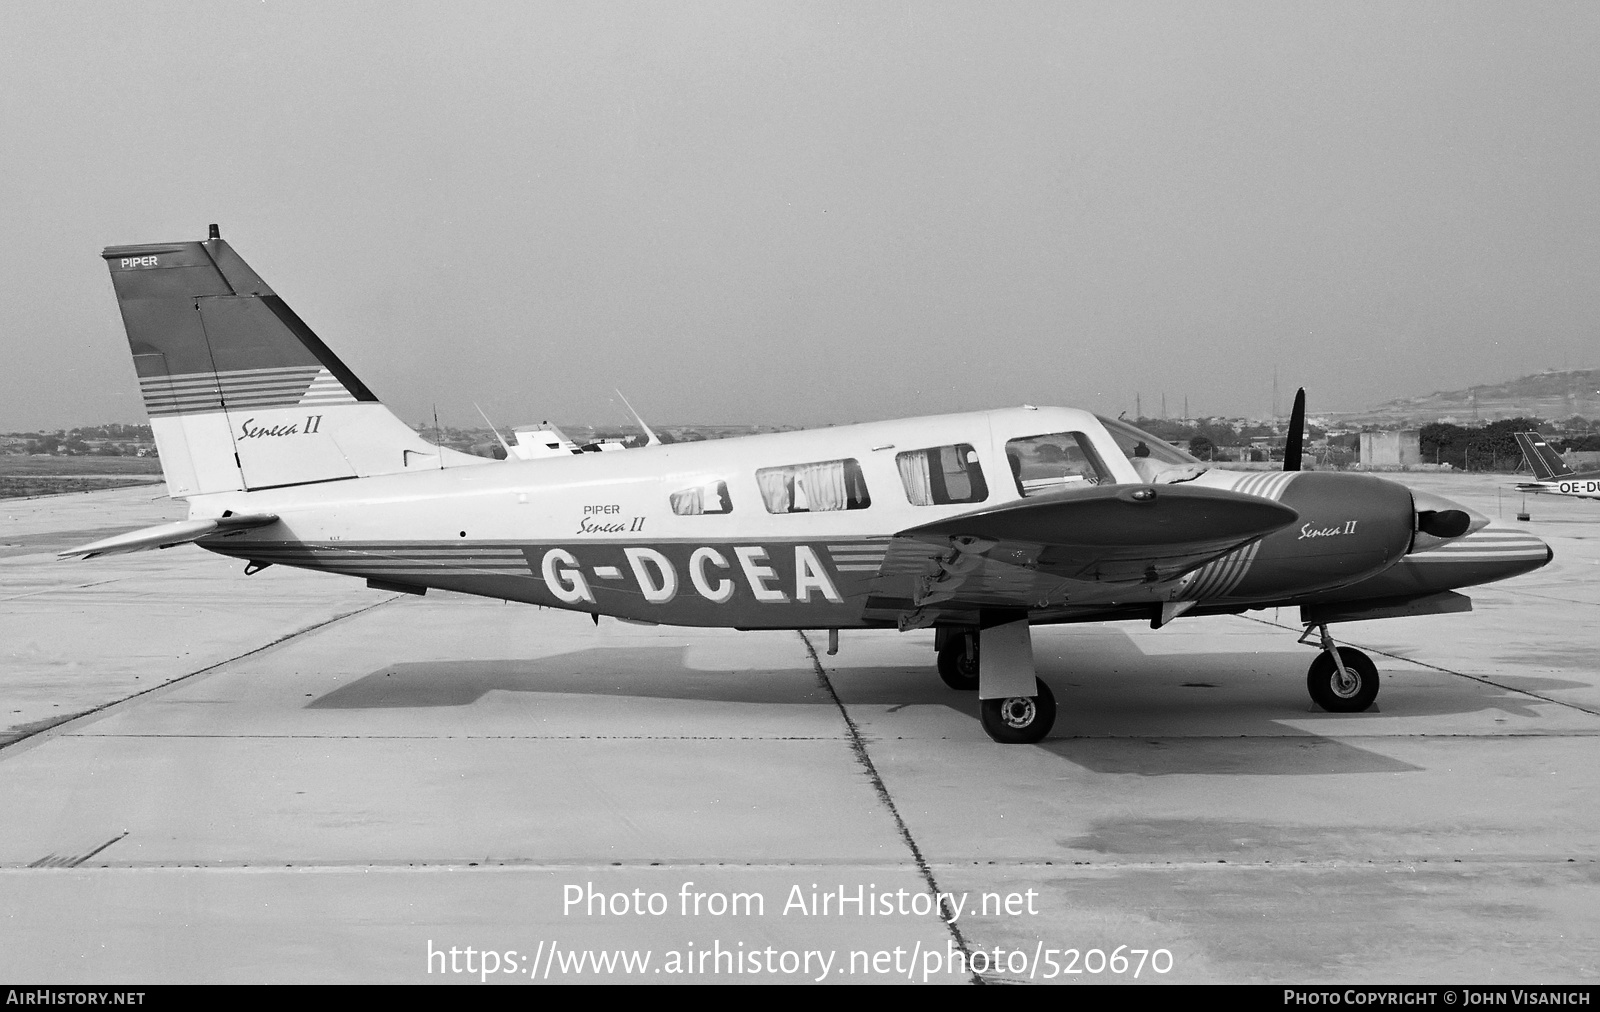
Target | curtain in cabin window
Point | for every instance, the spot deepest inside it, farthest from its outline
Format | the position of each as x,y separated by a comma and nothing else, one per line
915,477
688,503
774,483
824,485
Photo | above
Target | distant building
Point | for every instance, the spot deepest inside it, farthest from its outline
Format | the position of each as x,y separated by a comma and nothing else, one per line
1393,449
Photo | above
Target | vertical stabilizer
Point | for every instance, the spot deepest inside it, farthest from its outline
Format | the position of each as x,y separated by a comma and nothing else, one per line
241,394
1546,462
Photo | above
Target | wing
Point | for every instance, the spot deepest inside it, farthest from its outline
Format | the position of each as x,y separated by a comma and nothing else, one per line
1050,550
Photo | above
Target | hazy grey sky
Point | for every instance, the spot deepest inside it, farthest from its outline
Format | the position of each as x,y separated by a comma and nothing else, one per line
814,212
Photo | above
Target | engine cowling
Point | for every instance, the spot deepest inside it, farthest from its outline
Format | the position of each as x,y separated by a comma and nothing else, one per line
1351,527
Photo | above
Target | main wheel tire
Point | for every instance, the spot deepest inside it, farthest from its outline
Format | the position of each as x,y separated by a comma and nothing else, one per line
955,668
1329,692
1019,720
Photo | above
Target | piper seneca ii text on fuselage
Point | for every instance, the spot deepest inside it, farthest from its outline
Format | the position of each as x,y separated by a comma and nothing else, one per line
977,525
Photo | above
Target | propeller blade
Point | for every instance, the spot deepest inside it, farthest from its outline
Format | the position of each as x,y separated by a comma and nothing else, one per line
1297,432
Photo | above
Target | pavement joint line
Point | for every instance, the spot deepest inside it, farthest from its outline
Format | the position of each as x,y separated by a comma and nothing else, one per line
1435,667
544,866
98,583
58,590
1306,737
1549,597
76,491
511,864
473,737
859,747
44,734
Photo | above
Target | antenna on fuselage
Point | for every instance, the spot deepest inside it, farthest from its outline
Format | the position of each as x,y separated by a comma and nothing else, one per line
503,444
651,439
438,436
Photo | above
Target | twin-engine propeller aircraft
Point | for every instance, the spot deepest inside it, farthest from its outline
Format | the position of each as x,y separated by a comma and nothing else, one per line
979,525
1551,474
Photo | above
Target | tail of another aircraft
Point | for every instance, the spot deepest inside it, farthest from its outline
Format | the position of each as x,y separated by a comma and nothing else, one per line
241,393
1546,462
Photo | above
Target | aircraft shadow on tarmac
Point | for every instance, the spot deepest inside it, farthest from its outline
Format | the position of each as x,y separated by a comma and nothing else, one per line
646,672
1122,711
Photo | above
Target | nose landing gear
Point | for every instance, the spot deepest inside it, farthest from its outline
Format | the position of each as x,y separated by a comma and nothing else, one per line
1341,679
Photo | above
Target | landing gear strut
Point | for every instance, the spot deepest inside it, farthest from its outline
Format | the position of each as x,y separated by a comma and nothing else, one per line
1341,679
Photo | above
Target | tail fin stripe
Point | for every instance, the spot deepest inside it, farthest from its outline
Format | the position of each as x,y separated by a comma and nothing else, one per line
242,388
173,406
236,375
289,383
251,388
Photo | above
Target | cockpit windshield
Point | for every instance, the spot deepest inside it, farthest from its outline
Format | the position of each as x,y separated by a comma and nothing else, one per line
1156,460
1136,443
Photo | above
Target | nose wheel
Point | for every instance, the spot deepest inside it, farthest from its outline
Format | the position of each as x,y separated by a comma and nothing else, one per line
1341,679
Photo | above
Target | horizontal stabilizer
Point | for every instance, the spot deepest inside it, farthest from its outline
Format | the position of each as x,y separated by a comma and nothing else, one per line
167,535
1137,533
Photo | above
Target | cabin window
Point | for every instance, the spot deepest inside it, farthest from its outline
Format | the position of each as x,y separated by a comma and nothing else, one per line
711,497
941,475
1055,461
813,488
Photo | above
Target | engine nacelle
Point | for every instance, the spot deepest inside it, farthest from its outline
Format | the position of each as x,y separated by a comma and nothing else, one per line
1351,526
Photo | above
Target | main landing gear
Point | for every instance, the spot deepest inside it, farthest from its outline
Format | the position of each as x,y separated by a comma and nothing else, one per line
1341,679
1019,720
958,661
1009,716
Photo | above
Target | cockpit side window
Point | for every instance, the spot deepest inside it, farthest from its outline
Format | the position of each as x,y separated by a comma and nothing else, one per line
1054,461
941,475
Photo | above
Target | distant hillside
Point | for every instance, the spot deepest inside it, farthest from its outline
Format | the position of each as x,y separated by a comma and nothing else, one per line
1552,395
